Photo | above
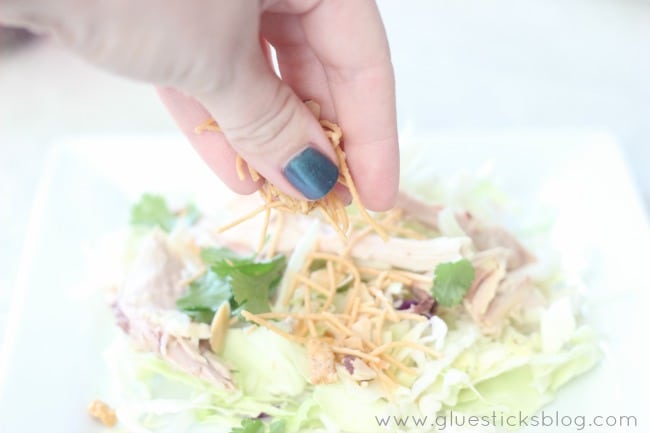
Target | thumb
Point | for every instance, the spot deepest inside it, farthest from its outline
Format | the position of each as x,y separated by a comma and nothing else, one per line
272,129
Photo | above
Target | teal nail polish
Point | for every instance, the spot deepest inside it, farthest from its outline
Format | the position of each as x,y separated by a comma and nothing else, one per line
312,173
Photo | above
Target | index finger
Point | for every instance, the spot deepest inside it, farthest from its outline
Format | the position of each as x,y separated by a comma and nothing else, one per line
349,39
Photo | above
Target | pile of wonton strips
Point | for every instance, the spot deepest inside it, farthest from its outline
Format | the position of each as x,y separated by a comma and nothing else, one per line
350,330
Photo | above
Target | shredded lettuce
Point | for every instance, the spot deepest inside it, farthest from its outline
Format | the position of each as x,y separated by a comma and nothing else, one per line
266,365
296,262
530,382
477,374
350,406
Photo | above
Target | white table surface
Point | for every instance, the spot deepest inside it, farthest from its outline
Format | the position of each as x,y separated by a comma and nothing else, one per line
466,65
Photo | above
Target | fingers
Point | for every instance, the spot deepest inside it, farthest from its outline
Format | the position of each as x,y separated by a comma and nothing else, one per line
356,60
211,146
272,129
299,66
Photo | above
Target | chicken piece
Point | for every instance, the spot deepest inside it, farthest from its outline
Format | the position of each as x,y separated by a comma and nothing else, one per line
483,236
146,310
490,268
413,255
153,280
425,213
495,295
321,362
197,360
512,293
487,237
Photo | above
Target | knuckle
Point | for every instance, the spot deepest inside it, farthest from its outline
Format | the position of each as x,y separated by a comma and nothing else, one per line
269,125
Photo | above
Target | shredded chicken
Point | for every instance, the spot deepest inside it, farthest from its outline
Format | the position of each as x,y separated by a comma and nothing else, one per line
483,237
490,268
411,254
426,213
495,294
146,310
498,290
511,294
486,237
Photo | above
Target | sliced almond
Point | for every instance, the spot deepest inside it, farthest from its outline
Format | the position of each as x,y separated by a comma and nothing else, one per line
219,328
102,412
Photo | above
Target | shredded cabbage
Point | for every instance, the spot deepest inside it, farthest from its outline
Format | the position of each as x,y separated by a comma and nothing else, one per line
475,376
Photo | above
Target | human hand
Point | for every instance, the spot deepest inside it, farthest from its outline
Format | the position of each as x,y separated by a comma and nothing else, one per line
207,59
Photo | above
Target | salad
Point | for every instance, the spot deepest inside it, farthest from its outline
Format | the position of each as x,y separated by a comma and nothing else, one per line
309,332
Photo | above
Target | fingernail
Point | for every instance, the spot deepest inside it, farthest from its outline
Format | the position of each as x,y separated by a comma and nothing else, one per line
312,173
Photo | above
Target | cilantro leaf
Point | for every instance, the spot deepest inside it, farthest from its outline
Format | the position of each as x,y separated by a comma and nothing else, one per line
214,255
250,426
243,282
151,211
452,280
251,281
204,297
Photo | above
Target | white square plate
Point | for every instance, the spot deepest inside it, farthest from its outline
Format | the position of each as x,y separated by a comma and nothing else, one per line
51,363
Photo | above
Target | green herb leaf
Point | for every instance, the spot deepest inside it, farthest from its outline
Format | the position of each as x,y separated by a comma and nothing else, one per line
212,256
153,211
250,426
452,280
204,297
245,283
251,281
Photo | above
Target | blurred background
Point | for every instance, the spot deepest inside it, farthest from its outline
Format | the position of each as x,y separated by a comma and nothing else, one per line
469,66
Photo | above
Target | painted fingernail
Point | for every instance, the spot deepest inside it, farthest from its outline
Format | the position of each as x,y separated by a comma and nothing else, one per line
312,173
